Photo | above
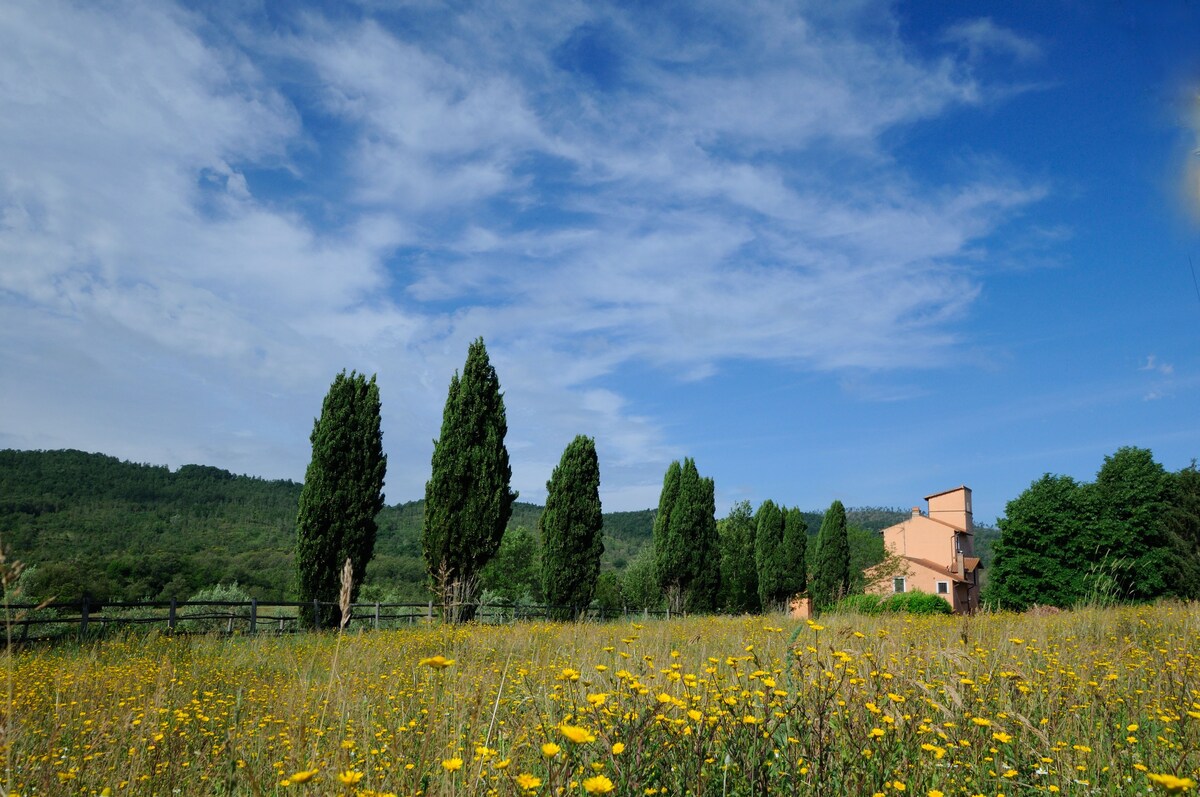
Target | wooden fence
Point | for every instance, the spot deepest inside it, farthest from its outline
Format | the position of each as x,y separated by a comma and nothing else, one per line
90,618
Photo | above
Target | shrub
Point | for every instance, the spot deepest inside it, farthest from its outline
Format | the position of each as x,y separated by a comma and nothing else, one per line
200,619
915,602
858,604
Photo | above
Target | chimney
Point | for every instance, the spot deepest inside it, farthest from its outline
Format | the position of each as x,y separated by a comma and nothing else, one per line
916,511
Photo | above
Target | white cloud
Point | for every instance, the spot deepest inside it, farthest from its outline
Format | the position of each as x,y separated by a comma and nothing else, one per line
243,214
983,35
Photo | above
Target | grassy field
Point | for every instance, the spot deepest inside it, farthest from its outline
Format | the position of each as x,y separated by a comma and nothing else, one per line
1088,702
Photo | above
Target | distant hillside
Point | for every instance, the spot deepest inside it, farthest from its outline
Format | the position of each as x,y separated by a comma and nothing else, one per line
90,523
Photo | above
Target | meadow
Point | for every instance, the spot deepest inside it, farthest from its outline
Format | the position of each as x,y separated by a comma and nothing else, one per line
1097,701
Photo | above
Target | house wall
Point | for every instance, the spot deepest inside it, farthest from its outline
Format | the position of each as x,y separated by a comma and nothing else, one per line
953,508
963,598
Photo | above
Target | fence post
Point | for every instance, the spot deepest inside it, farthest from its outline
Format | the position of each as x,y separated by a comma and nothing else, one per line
253,615
376,615
316,614
429,612
668,611
171,616
83,617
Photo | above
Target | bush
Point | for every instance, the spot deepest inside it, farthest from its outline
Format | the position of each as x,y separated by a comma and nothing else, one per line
915,602
201,619
858,604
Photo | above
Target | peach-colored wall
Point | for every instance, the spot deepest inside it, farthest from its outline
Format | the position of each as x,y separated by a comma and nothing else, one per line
952,507
941,538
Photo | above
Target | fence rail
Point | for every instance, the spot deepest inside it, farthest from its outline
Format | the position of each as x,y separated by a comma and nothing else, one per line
89,618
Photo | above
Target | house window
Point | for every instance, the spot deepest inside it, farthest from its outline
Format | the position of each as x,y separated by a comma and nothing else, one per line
943,587
898,584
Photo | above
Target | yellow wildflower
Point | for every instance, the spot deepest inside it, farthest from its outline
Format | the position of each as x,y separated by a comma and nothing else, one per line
577,734
1172,783
452,764
350,777
438,662
618,748
528,782
303,776
550,749
597,785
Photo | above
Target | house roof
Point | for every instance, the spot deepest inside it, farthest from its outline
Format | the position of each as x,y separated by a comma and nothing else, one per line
951,490
971,563
939,569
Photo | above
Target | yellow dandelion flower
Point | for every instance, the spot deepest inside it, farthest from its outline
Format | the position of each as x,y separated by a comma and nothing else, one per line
597,699
528,782
350,777
982,722
550,749
438,662
303,776
618,748
936,793
876,733
452,764
577,734
750,719
1172,783
1002,737
597,785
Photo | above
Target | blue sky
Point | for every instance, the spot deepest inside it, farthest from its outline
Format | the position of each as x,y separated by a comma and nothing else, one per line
864,251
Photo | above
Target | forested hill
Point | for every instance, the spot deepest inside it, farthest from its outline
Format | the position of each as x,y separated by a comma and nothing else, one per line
90,523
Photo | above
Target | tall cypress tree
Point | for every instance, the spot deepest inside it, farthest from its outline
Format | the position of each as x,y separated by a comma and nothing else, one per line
467,499
739,573
768,543
685,541
793,554
831,570
342,493
572,542
667,553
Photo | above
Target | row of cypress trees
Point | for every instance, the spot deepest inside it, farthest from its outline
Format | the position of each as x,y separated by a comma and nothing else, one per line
468,503
468,500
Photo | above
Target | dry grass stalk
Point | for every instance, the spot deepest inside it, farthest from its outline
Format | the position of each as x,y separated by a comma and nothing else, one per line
347,587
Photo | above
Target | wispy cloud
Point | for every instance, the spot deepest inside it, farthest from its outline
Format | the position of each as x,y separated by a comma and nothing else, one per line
240,209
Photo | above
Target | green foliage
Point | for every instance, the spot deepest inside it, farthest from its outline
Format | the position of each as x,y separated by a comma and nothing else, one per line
571,526
201,619
1116,539
467,498
858,604
1182,526
768,543
514,573
1039,558
739,573
639,583
915,602
608,595
793,555
685,539
866,551
831,566
343,490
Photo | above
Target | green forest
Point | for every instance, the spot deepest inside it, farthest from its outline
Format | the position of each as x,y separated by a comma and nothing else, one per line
92,524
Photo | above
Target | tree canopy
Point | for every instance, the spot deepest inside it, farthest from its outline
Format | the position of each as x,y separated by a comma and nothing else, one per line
572,540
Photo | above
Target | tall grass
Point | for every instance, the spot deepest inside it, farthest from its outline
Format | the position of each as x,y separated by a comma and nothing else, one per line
1088,702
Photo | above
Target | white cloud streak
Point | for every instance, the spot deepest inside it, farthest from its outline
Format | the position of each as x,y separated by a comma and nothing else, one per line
588,187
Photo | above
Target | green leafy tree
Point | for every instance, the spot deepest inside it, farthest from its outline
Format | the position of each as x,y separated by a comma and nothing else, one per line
1183,533
739,573
1038,558
571,525
793,554
342,493
1129,538
515,571
768,546
467,498
831,565
639,582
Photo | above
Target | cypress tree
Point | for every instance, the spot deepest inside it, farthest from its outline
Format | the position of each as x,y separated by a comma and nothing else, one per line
831,570
739,573
342,492
667,556
572,542
685,543
705,583
794,554
768,543
467,499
